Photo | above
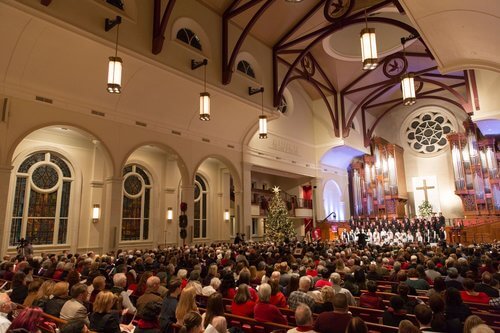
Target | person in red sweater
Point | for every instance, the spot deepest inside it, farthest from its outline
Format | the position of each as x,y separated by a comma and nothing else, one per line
277,297
469,295
265,311
242,304
370,299
335,321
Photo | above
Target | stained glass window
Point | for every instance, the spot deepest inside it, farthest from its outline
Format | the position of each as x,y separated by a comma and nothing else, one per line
42,199
200,207
187,36
245,67
136,203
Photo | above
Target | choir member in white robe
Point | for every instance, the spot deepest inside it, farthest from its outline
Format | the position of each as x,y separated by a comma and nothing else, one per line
376,237
418,237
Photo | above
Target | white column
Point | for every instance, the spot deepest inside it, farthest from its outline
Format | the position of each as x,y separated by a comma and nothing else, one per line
111,213
95,198
245,222
5,174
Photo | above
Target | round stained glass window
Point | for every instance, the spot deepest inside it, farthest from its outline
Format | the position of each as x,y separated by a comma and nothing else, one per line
426,133
133,185
45,177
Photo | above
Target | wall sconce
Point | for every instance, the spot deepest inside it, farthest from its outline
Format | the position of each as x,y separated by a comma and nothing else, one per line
170,214
96,213
226,215
115,63
204,96
262,117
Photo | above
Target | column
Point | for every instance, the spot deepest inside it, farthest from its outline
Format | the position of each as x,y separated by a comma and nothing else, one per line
96,198
187,196
111,213
245,222
5,174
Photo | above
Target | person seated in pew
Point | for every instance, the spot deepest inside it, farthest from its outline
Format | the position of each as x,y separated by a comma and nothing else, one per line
167,314
119,284
102,320
75,326
75,308
370,299
192,323
470,295
19,288
303,320
471,322
151,294
406,326
60,296
424,317
301,295
335,321
485,285
242,304
148,322
357,325
394,314
327,296
215,307
218,325
26,321
415,281
277,297
265,311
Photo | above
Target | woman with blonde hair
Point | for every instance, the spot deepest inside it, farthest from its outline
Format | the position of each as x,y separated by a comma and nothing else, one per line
44,293
186,304
60,296
327,295
98,285
471,322
33,289
102,320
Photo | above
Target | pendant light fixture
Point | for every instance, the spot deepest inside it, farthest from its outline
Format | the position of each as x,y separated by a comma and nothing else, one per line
204,96
368,47
262,117
407,83
115,64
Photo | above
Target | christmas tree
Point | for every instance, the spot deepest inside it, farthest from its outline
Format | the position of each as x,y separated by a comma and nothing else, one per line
278,226
425,209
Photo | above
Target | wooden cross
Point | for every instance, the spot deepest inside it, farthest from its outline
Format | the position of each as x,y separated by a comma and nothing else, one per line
425,188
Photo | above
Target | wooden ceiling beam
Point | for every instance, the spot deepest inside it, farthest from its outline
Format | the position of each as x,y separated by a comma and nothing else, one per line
160,25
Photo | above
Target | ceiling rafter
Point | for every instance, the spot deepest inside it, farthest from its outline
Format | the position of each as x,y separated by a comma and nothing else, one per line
228,61
160,25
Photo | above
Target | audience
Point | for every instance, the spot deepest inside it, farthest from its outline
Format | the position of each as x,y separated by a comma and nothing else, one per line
299,281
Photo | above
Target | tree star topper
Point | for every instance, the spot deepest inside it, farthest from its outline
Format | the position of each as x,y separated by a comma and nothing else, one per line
276,189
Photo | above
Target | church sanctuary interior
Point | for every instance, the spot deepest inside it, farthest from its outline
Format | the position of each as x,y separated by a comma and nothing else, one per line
134,124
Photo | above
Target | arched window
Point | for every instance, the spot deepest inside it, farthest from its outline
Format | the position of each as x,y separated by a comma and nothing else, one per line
200,207
136,203
187,36
41,200
245,67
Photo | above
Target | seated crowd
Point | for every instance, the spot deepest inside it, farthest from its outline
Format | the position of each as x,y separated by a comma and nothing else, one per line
326,287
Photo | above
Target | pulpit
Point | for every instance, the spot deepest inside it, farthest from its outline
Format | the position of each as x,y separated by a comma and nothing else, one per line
331,231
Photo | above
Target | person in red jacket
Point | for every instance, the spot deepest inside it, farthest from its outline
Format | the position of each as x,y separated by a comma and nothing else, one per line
370,299
277,297
265,311
242,304
469,295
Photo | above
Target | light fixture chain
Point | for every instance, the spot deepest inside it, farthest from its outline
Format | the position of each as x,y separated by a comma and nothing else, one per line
116,43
